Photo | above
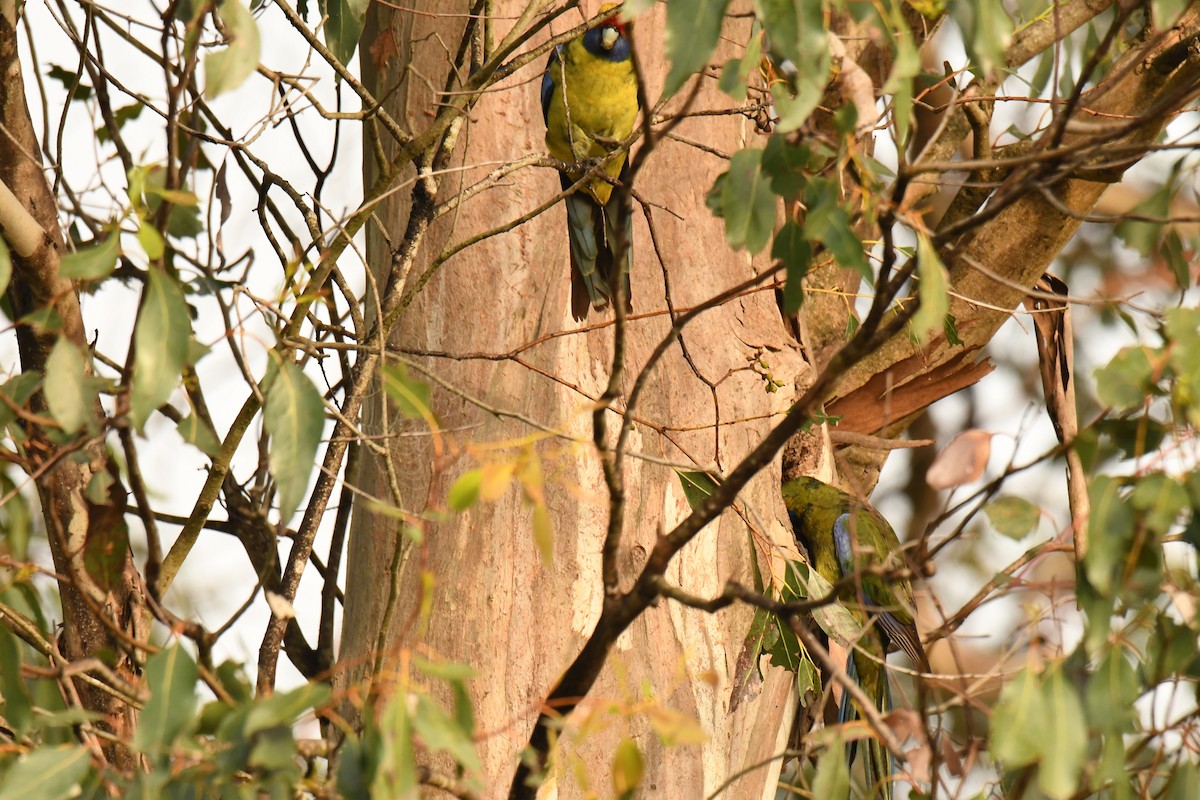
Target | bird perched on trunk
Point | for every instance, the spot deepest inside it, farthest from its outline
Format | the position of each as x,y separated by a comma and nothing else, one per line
590,105
845,537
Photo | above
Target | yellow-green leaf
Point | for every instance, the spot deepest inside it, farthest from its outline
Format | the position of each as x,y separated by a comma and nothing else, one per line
628,769
93,262
171,675
295,418
69,394
693,27
932,286
543,533
49,773
5,266
227,68
465,490
161,342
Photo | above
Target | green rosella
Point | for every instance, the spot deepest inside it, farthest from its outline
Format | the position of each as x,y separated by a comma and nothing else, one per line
590,105
842,536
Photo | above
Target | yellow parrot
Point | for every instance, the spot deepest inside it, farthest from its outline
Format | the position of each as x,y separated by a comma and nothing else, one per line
590,104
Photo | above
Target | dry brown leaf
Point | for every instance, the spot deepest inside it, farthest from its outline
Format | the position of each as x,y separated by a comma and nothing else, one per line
962,461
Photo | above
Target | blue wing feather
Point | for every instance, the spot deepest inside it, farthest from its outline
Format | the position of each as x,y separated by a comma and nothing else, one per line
548,82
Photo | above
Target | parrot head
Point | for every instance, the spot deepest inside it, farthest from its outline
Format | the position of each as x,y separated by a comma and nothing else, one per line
611,40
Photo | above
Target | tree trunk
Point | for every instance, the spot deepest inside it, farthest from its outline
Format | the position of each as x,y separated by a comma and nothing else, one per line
495,605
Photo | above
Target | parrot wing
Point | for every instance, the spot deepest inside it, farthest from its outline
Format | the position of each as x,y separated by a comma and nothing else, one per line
549,82
889,602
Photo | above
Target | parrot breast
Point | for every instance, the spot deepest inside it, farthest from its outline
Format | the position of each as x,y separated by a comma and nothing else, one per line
591,106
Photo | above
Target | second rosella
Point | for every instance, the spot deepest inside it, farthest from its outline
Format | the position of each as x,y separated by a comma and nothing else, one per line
590,105
847,539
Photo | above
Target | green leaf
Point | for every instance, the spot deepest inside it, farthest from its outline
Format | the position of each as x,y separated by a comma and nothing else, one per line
735,75
786,165
932,286
283,708
748,202
343,26
441,732
1111,692
905,68
151,240
628,769
104,554
121,116
543,533
48,773
697,486
354,768
94,262
1162,500
161,344
693,28
987,30
69,394
1185,782
5,266
1014,517
396,771
18,389
410,395
828,223
195,432
1018,724
184,222
451,671
171,675
794,251
835,619
16,520
18,705
1142,235
747,673
797,34
1110,529
273,749
465,491
295,418
1126,382
950,330
832,778
43,320
227,68
69,78
1064,742
714,201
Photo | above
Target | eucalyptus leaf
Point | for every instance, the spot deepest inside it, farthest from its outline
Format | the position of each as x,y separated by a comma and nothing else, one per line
932,287
748,203
693,28
69,394
295,418
171,675
228,68
94,262
161,345
49,773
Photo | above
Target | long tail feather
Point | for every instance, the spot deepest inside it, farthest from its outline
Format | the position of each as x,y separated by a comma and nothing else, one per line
879,765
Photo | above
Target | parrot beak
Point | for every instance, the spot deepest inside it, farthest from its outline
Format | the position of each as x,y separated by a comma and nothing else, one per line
609,36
